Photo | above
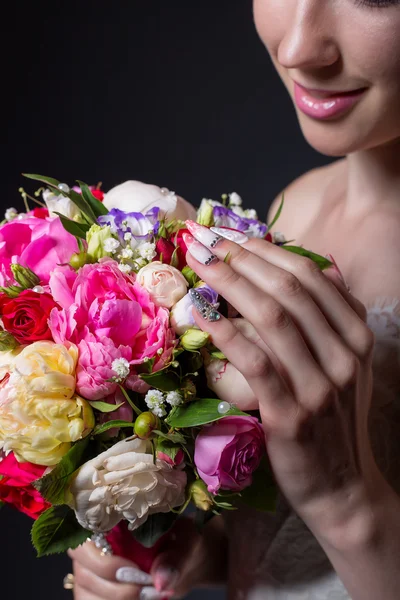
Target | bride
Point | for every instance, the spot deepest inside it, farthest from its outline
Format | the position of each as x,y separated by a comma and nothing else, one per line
328,389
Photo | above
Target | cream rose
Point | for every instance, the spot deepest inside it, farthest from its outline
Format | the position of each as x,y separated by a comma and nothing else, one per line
125,483
165,284
40,415
135,196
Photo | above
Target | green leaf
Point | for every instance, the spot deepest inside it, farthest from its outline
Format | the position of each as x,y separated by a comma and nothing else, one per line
82,204
105,407
166,382
49,180
77,229
321,261
191,277
199,412
154,528
175,437
97,207
218,354
110,425
129,400
57,530
278,214
262,494
54,486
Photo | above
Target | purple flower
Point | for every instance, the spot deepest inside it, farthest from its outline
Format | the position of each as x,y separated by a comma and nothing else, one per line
142,227
225,217
181,313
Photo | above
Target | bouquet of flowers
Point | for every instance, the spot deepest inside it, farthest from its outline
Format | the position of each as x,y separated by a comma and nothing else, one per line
106,418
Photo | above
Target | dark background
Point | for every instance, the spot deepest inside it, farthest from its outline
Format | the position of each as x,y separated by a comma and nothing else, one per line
178,93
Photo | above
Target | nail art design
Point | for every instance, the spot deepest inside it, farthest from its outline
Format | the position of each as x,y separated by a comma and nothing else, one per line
338,271
233,236
200,252
203,234
206,310
132,575
165,578
150,593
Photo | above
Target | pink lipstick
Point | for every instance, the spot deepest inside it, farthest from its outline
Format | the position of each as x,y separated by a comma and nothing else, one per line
322,104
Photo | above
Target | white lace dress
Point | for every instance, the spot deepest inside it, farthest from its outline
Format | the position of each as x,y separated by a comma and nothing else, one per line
276,557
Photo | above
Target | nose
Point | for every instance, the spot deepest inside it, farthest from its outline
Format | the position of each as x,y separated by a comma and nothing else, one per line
309,41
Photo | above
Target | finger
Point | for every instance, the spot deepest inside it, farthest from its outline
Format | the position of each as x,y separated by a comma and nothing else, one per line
81,593
105,567
268,266
228,383
102,588
273,324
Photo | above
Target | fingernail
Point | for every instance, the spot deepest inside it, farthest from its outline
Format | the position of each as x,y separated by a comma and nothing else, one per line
203,234
198,251
132,575
165,578
233,236
337,270
206,309
150,593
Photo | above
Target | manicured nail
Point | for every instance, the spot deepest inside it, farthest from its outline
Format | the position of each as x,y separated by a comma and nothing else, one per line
198,251
150,593
230,234
206,309
165,578
203,234
338,271
132,575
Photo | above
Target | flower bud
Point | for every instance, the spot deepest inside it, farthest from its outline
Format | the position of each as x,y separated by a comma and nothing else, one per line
78,260
172,455
12,291
7,341
194,339
200,496
205,214
145,425
96,238
24,276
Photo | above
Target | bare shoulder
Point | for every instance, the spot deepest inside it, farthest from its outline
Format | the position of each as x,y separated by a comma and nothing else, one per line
304,194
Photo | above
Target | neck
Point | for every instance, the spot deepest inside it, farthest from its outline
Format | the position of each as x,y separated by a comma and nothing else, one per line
373,178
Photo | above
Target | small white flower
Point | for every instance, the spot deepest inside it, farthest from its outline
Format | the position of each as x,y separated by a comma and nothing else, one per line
235,199
238,210
111,245
155,401
174,398
278,237
121,367
10,213
127,253
125,268
250,213
127,236
147,251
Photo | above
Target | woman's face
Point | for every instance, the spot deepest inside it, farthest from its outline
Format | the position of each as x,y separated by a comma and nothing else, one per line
340,61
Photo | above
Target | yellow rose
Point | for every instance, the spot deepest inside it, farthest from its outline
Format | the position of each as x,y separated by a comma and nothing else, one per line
40,415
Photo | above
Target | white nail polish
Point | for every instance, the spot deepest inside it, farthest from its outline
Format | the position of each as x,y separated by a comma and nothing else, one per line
132,575
233,236
150,593
203,234
198,251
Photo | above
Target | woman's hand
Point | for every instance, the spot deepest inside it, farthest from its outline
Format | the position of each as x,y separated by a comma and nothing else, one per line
187,560
310,370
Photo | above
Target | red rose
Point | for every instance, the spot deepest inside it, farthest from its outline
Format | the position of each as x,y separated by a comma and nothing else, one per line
16,486
25,317
98,194
179,243
40,212
268,237
165,248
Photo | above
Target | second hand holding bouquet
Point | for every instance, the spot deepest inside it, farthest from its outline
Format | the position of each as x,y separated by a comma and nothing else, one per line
106,420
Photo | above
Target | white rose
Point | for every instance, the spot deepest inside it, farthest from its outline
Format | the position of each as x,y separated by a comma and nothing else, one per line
60,204
165,284
125,483
135,196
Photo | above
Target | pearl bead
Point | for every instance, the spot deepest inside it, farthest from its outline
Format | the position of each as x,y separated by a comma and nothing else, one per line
223,408
63,187
38,289
164,191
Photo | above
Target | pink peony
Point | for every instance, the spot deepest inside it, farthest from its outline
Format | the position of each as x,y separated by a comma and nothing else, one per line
228,451
108,315
40,244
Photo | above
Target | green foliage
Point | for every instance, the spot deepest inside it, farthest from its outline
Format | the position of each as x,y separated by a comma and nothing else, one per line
166,381
321,261
105,407
199,412
54,486
278,213
110,425
154,528
57,530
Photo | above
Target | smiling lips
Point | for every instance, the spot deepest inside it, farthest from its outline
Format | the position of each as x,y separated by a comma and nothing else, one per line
321,104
